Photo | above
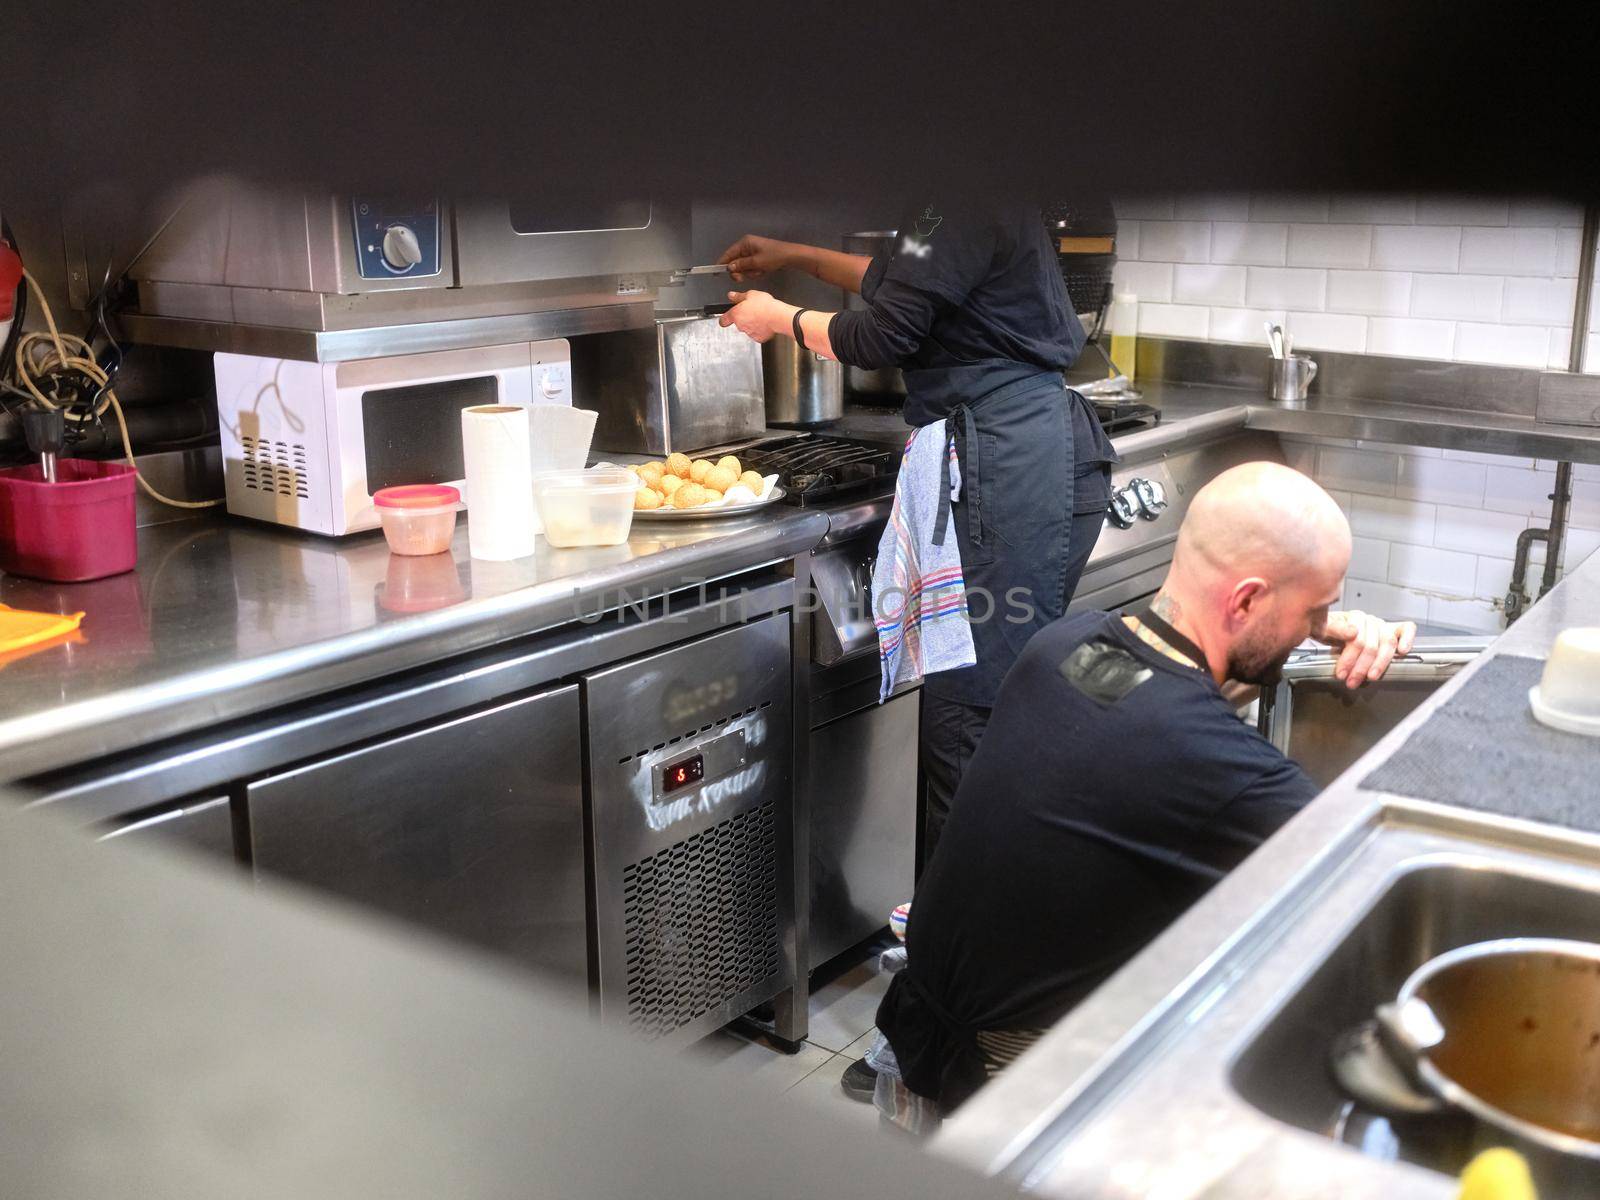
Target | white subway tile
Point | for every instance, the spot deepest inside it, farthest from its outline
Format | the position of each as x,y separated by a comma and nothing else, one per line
1127,240
1494,576
1374,209
1457,297
1508,251
1249,243
1493,460
1235,207
1146,280
1475,615
1560,349
1507,345
1328,331
1544,210
1581,544
1586,471
1391,519
1379,293
1288,206
1410,338
1462,210
1539,301
1175,241
1142,208
1202,283
1476,530
1344,500
1416,247
1591,355
1569,247
1244,324
1519,491
1285,287
1330,245
1385,600
1437,570
1174,320
1369,558
1585,509
1440,481
1357,471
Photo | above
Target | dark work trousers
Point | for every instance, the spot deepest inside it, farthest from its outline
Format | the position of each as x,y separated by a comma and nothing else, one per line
951,728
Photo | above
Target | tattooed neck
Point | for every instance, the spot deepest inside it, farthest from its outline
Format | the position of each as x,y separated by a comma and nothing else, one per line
1165,607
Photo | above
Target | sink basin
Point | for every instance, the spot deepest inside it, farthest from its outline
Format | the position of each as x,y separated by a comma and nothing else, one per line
1429,908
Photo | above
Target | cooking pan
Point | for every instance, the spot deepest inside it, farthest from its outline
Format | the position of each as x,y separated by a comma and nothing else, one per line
1504,1035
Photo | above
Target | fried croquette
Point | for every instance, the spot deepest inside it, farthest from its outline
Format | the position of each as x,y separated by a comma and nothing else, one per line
679,464
690,495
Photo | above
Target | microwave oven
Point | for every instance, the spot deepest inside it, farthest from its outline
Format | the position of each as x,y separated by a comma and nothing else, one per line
306,444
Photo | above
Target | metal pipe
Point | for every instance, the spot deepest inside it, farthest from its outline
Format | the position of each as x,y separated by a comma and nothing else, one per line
1554,537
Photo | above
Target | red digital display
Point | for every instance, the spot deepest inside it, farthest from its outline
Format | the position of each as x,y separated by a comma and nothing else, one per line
683,774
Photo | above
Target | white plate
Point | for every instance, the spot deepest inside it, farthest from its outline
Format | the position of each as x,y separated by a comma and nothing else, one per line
774,494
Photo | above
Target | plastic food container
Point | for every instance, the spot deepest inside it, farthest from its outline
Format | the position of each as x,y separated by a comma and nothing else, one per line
1567,697
586,508
79,527
418,518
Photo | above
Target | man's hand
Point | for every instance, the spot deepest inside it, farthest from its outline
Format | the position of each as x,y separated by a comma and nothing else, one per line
753,257
757,315
1369,644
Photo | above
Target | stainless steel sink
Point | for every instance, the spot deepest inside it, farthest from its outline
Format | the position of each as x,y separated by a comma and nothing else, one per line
1428,908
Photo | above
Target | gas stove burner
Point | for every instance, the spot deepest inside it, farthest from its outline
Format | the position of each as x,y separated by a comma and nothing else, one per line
819,469
1125,416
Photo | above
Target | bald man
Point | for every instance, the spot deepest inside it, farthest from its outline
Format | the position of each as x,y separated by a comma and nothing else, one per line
1116,784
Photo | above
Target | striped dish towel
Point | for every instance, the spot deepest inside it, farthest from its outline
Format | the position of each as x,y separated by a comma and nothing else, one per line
919,595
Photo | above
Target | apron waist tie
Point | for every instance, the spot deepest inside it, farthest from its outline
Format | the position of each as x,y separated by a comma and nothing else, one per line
971,487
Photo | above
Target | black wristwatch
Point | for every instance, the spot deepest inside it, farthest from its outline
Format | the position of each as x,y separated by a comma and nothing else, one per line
799,337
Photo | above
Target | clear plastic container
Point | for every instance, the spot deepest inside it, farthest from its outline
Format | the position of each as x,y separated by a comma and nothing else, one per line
586,508
418,518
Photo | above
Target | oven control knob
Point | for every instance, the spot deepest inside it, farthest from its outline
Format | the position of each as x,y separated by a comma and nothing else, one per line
400,248
1124,507
1152,498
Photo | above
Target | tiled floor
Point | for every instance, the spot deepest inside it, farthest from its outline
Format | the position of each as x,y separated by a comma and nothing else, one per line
842,1012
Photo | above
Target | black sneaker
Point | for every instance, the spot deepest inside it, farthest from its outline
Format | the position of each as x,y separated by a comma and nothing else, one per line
859,1081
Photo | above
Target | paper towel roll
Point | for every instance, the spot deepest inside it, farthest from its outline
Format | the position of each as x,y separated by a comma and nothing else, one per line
501,523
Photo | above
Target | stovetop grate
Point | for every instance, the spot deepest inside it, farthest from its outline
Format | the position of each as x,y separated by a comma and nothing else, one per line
824,470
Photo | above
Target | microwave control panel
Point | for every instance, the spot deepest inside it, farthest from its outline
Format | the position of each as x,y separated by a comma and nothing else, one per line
396,239
552,371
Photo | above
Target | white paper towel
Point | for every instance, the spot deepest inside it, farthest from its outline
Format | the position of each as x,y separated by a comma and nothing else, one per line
501,523
560,436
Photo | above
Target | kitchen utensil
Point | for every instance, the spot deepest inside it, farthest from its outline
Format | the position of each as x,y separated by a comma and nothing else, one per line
46,432
501,524
586,508
1290,377
886,385
679,384
772,495
418,518
20,628
80,527
802,387
709,269
1503,1033
1274,338
1567,697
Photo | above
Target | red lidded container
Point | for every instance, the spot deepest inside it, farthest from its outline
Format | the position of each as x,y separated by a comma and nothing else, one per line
79,527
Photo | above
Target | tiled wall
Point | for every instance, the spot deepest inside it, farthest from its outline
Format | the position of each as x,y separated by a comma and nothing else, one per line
1435,530
1479,279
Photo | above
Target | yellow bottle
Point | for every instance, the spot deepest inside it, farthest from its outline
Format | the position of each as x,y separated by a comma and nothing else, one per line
1123,321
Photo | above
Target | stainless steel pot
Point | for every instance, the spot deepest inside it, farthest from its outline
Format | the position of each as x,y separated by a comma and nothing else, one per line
887,385
1505,1033
802,387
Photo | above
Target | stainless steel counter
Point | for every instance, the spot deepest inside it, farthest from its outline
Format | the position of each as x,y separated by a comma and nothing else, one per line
225,618
1132,1094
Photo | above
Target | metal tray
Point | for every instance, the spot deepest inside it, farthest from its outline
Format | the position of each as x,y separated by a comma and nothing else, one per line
708,514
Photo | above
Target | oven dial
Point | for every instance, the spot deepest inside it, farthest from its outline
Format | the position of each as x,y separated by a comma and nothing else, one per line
1152,498
400,247
1124,507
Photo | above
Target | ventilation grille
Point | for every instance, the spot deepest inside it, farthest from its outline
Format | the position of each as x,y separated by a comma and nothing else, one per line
275,467
706,728
701,921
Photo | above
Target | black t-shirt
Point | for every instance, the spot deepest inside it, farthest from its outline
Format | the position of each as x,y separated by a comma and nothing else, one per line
1113,787
968,281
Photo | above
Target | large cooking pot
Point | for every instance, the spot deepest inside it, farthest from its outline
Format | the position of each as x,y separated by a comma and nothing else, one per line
802,387
1505,1034
886,385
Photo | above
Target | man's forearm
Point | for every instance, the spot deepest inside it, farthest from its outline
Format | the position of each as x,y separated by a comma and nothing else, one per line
833,267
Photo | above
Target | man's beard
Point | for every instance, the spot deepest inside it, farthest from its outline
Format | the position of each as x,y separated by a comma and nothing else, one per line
1256,660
